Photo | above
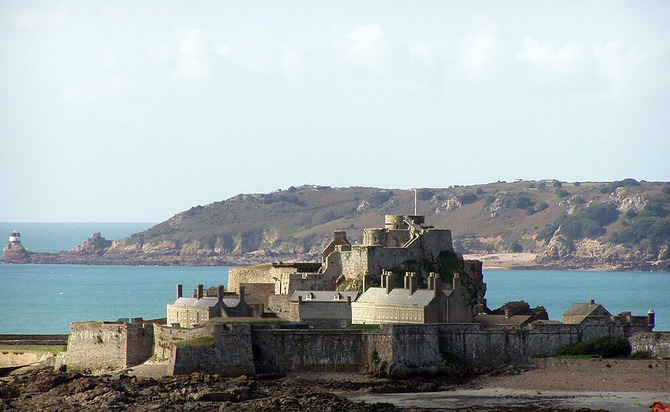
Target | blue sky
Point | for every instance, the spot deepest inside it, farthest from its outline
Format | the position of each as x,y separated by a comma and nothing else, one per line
135,111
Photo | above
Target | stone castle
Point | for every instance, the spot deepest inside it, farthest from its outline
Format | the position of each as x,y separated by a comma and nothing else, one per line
289,317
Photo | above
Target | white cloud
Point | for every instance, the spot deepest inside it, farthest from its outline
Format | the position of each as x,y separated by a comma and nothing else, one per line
364,47
481,48
246,57
40,20
190,61
617,66
421,54
549,58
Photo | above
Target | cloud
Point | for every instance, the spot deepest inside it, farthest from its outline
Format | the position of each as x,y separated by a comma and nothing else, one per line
93,91
421,54
246,57
190,62
364,47
617,66
549,58
481,48
40,20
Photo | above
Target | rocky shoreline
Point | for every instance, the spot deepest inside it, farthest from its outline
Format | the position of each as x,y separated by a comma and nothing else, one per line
97,250
552,385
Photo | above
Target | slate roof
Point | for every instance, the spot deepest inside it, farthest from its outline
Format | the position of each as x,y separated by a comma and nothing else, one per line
323,295
399,297
585,309
207,302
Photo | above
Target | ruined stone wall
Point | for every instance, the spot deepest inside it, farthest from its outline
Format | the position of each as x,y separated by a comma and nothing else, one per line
657,344
230,355
98,346
166,337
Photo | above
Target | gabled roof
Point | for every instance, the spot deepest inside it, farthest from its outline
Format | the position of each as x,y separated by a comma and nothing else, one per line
324,295
398,297
207,302
587,309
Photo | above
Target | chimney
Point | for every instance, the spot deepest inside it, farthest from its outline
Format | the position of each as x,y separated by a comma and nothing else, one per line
241,292
199,292
299,299
366,281
220,293
431,281
406,280
506,313
411,282
389,282
179,291
349,300
456,285
592,302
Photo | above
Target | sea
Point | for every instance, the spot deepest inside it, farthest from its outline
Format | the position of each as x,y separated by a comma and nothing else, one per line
37,299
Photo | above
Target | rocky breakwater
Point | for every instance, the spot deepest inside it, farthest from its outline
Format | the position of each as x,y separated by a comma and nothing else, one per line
97,250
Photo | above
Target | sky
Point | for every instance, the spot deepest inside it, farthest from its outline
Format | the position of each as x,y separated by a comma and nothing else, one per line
133,111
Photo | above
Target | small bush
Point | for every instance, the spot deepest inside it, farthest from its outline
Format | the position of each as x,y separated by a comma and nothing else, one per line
467,198
603,347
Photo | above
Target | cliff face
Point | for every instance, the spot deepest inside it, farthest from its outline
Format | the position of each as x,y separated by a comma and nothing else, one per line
616,225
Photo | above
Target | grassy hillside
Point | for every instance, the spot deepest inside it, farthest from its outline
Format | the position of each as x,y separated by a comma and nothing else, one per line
626,220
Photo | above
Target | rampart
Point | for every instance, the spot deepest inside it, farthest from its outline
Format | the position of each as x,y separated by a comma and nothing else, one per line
657,344
394,350
230,354
103,345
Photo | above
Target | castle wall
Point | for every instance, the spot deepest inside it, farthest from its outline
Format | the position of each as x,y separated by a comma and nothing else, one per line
656,343
255,274
317,350
231,354
98,346
166,337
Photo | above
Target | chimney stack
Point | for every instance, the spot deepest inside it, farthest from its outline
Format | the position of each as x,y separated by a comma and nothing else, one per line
366,281
241,291
179,291
199,292
389,281
592,302
410,280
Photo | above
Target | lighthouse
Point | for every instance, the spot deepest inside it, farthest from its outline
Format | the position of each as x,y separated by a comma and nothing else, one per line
15,237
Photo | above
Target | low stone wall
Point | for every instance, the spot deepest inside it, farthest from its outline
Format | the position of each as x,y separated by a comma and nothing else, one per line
10,359
37,340
657,344
166,337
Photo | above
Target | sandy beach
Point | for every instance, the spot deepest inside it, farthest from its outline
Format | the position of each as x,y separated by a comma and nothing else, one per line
617,385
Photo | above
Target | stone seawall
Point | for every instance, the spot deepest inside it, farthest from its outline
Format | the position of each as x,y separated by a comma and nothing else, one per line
657,344
101,345
229,355
393,350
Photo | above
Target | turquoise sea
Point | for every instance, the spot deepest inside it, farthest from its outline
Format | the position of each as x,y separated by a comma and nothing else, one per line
47,298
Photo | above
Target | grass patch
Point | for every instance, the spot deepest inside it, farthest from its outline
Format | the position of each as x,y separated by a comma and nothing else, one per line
366,326
197,342
55,349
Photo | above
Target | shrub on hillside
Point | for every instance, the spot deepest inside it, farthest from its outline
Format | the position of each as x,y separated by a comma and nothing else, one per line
467,198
